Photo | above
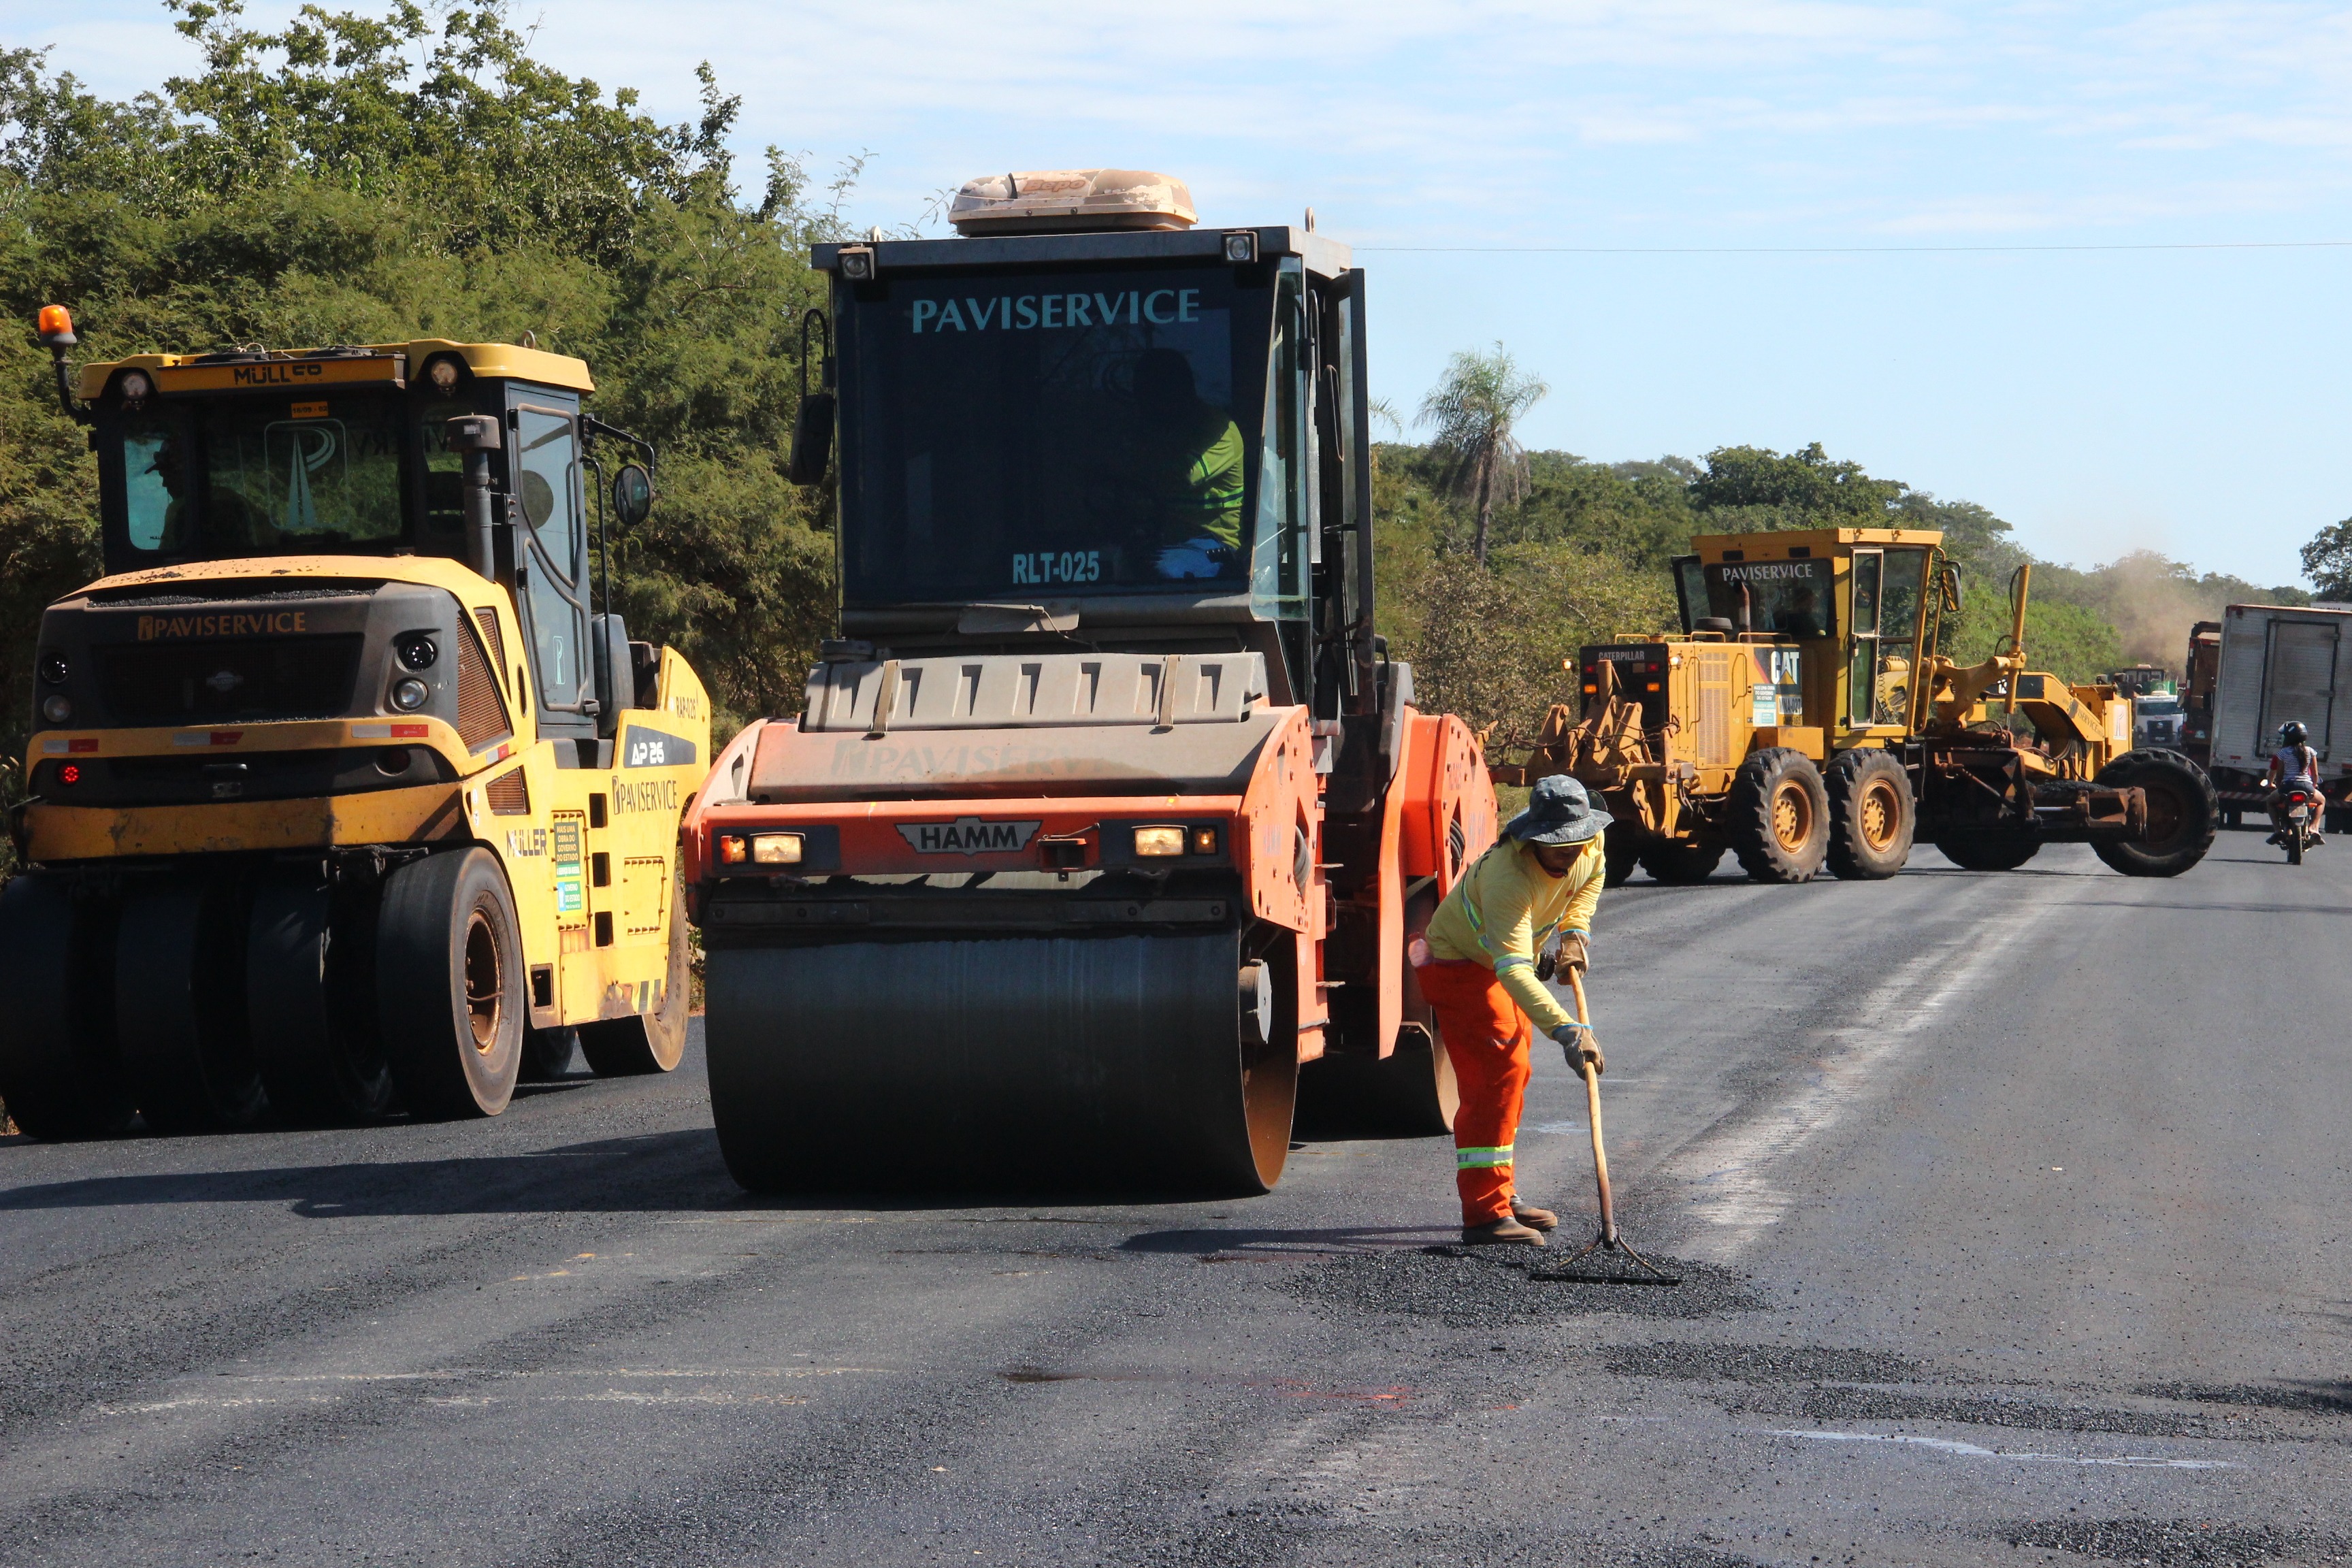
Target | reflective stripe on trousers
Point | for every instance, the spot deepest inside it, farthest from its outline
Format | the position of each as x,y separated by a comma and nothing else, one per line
1487,1039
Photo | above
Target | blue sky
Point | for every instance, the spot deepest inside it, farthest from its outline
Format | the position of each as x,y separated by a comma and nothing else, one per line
2193,400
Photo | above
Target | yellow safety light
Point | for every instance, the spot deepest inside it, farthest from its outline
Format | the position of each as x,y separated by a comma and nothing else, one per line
776,848
1159,841
1205,841
56,326
731,851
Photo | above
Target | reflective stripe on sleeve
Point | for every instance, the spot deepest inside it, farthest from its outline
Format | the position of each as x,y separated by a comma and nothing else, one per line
1513,961
1463,1159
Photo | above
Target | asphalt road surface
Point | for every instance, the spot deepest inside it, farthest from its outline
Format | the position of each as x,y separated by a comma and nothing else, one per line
2011,1207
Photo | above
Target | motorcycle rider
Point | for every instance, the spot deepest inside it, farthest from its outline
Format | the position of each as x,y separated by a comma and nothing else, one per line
2294,763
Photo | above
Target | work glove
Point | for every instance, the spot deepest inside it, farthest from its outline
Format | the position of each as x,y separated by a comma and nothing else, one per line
1583,1045
1575,952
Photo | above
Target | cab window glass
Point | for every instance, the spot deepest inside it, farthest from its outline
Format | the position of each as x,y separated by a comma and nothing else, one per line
1277,567
155,482
305,474
548,484
444,472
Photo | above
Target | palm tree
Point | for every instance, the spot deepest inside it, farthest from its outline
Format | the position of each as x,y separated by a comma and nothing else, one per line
1474,409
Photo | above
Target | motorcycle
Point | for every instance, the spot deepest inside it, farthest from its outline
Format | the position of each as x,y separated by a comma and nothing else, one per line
2302,814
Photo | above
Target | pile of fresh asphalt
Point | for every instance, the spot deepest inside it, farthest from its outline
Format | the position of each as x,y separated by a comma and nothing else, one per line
1473,1286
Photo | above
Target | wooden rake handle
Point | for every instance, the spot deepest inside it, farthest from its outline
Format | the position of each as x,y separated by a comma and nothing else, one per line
1592,1107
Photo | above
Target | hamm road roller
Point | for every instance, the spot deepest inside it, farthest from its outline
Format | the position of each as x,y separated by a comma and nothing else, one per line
1108,810
343,794
1806,715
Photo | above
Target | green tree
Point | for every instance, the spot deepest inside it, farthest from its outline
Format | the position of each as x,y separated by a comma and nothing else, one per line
2327,561
371,178
1755,488
1473,412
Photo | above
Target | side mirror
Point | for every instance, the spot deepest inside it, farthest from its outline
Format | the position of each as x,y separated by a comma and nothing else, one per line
1951,587
632,495
811,439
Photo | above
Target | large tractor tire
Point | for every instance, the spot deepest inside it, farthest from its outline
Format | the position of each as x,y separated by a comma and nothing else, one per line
449,984
1622,848
59,1073
179,1005
993,1062
1778,816
1993,850
1668,860
308,978
655,1040
2181,814
1872,816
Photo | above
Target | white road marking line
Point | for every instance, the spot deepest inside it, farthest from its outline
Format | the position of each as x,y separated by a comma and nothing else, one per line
451,1373
1971,1451
1730,1168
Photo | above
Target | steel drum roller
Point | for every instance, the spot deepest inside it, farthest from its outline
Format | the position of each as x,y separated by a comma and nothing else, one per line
1037,1061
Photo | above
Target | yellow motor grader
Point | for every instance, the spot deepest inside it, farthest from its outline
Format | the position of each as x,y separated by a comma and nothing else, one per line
342,796
1805,716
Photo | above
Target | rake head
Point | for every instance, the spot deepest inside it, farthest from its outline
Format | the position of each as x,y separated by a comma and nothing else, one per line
1568,1274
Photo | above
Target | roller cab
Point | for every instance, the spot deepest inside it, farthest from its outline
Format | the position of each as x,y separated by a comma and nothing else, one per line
1107,811
346,791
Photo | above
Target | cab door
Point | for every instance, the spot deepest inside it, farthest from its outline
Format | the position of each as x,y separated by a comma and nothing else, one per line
552,554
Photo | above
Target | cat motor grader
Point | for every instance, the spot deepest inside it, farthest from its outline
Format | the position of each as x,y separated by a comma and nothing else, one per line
1805,716
1096,850
340,797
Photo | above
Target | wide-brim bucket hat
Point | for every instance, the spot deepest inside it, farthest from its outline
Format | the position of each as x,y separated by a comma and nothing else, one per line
1558,812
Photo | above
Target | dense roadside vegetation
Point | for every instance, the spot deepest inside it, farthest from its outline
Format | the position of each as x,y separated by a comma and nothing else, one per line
351,177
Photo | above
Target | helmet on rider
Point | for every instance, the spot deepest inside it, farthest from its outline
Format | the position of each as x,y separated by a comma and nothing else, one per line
2293,733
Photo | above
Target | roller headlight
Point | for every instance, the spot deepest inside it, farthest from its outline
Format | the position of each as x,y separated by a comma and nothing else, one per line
732,851
56,709
416,651
409,694
775,849
1153,842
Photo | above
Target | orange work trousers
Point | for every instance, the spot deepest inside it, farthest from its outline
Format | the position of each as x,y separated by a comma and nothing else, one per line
1488,1038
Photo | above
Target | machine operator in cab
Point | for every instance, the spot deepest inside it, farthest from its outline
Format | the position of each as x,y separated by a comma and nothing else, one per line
1479,972
1192,466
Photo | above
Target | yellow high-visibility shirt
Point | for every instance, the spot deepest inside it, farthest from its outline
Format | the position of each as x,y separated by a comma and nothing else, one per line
1507,906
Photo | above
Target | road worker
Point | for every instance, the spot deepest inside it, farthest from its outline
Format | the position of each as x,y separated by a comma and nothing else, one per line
1478,966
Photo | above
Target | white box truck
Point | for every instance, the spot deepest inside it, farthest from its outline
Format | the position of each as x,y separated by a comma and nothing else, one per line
2279,662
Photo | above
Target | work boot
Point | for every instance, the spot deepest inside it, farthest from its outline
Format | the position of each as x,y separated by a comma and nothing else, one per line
1540,1219
1501,1233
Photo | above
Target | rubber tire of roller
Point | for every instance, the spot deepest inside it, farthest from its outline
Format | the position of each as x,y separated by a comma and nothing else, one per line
1756,788
1621,851
446,931
1854,776
1993,850
1679,864
1097,1062
1409,1093
655,1042
179,1005
2181,805
59,1075
548,1054
306,1005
